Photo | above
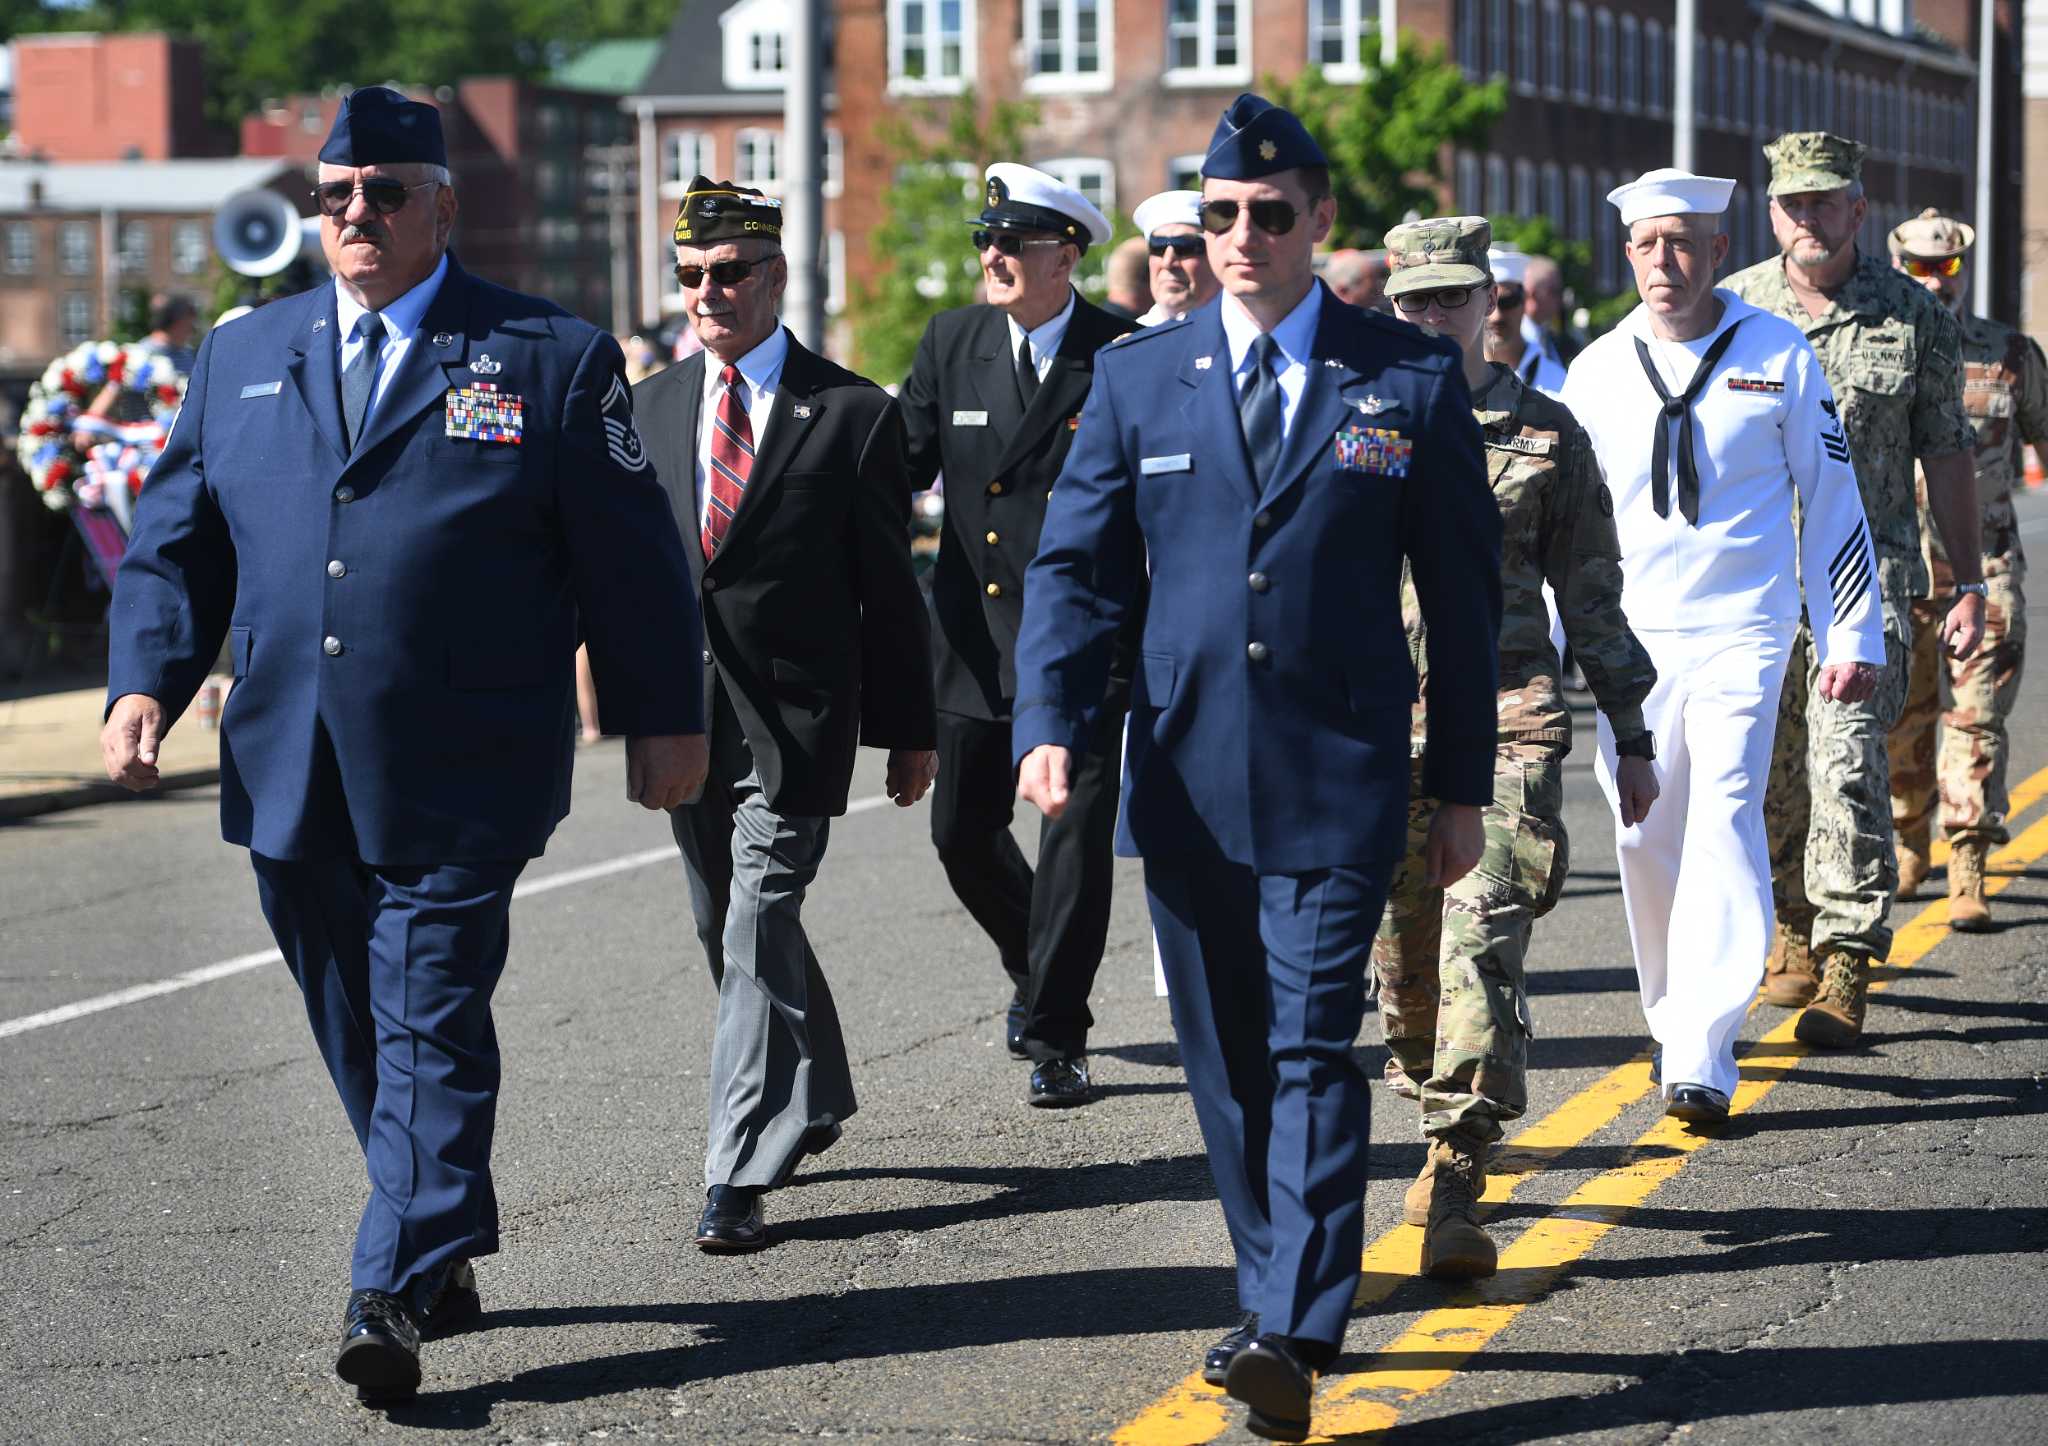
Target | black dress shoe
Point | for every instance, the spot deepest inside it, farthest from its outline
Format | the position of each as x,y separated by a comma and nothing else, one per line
732,1223
1060,1084
1697,1105
446,1300
380,1347
1276,1384
1013,1027
1216,1364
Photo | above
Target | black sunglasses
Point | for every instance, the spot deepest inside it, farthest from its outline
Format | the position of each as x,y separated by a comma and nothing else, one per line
1450,298
382,194
725,273
1010,243
1178,246
1275,218
1508,296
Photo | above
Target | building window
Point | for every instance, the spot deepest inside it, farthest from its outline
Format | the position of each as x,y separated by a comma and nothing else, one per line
1741,244
21,248
312,117
1093,178
1715,99
1336,34
1204,37
135,248
757,159
188,248
766,54
1604,88
1184,173
1738,89
1655,60
74,248
1525,188
835,272
1525,52
835,161
1553,194
1778,114
1496,186
1760,73
685,155
1581,54
1553,47
1606,239
1499,37
1470,48
1067,38
74,317
1579,220
1471,199
931,44
1631,75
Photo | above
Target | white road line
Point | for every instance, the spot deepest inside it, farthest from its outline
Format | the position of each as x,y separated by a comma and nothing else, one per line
228,968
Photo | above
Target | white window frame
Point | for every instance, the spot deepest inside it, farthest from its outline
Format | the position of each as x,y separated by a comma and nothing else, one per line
1068,80
1184,173
765,140
934,44
21,248
1071,170
1207,71
675,181
1353,20
190,250
74,248
67,303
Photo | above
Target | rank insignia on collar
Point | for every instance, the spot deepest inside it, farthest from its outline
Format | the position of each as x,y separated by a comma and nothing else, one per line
443,338
1330,361
483,366
319,323
801,411
1203,363
1369,404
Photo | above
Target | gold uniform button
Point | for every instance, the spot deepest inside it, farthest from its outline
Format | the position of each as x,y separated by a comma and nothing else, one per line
995,589
993,538
995,489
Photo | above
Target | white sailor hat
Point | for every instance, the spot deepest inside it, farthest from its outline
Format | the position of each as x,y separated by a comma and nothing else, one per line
1508,265
1168,208
1668,191
1020,198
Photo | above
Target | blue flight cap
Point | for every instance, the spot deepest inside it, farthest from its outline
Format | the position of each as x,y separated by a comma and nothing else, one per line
376,126
1257,138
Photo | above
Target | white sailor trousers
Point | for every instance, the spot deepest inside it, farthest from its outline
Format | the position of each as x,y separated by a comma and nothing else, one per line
1696,875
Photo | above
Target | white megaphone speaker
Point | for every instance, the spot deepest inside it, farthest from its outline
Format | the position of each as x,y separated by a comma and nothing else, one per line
259,234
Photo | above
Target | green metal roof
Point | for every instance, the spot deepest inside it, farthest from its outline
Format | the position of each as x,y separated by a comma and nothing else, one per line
615,67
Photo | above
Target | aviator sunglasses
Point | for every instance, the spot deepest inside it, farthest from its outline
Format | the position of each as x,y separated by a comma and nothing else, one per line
1275,218
1178,247
725,273
381,193
1949,266
1010,243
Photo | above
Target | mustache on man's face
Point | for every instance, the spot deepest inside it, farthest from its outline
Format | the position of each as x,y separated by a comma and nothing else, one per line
368,231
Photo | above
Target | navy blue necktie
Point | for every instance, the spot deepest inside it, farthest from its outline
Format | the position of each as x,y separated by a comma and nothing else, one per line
1258,408
359,382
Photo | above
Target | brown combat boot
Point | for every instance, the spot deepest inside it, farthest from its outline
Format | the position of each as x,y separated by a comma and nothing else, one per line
1790,978
1453,1245
1835,1018
1967,911
1914,863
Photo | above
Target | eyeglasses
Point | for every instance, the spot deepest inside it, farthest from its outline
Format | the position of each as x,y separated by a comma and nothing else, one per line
1010,243
381,193
1509,296
725,273
1450,298
1178,247
1949,266
1275,218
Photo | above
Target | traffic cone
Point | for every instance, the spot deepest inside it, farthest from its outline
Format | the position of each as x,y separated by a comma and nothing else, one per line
2034,474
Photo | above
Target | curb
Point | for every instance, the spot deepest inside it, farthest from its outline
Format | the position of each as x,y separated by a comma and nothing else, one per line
79,795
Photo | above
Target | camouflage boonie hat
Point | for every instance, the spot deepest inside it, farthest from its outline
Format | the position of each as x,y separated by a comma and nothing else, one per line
1441,252
1931,236
1813,161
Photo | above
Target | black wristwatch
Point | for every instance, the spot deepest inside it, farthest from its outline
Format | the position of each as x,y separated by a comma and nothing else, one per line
1643,745
1978,589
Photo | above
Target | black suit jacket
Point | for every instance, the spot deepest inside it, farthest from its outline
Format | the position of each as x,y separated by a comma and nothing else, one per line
813,623
963,416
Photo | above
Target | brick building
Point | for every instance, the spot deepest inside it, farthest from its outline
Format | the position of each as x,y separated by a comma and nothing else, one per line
83,96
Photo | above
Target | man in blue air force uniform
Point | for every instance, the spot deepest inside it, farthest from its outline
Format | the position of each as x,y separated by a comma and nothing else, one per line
1277,456
399,499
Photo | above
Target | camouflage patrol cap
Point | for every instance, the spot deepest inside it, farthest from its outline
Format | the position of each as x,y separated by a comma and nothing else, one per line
1442,251
1813,161
1931,236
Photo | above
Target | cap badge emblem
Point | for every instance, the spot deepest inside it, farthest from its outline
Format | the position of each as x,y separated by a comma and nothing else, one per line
1267,150
997,191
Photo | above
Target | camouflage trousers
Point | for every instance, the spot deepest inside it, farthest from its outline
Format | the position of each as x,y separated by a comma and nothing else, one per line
1827,808
1967,772
1449,962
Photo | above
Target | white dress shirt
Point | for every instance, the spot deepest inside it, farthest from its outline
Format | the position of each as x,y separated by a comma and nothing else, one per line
1765,428
1045,338
760,374
401,320
1542,364
1296,335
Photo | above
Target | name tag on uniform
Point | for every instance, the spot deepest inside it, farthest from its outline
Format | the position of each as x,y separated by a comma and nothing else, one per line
261,389
1754,384
1533,446
1374,451
482,413
970,419
1178,462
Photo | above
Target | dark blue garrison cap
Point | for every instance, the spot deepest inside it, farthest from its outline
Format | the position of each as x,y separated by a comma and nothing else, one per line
1257,138
377,126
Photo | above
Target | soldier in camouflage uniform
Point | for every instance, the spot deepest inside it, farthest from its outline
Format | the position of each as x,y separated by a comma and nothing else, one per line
2005,392
1892,355
1450,961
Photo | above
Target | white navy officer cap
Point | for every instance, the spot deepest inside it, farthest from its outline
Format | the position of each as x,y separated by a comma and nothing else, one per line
1020,198
1668,191
1168,208
1508,265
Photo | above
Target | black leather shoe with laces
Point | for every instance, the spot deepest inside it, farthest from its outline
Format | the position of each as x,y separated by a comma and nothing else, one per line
1216,1364
446,1300
1060,1084
1276,1383
380,1347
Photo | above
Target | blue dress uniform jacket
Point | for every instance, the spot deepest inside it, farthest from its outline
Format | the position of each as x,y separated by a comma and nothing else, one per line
1269,717
417,600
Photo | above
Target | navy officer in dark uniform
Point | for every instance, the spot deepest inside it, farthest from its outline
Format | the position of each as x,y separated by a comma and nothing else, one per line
399,500
992,400
1278,456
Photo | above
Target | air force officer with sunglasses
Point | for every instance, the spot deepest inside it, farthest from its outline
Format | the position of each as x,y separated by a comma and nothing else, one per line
399,500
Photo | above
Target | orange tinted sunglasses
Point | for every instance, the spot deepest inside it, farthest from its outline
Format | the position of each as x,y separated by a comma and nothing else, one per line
1952,266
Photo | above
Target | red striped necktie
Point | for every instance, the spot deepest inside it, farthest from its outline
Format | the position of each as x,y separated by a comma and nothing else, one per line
732,461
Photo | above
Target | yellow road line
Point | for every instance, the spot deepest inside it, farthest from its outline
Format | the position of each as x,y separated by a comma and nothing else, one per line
1445,1339
1193,1412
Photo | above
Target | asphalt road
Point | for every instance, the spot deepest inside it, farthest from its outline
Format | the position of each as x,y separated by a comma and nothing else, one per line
1860,1256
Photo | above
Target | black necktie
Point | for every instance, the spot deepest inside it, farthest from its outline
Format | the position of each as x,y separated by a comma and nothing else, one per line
1027,373
360,380
1535,361
1680,409
1258,408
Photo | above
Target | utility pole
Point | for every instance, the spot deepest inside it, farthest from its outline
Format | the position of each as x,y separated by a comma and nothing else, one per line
1987,108
1685,32
803,191
618,207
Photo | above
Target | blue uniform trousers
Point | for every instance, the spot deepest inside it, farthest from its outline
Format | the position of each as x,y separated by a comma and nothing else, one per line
1268,977
397,965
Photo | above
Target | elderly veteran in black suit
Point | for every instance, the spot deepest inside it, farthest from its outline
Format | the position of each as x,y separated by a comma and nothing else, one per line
786,473
992,400
399,498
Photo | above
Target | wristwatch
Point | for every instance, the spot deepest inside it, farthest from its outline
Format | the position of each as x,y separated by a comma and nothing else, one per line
1976,589
1643,745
